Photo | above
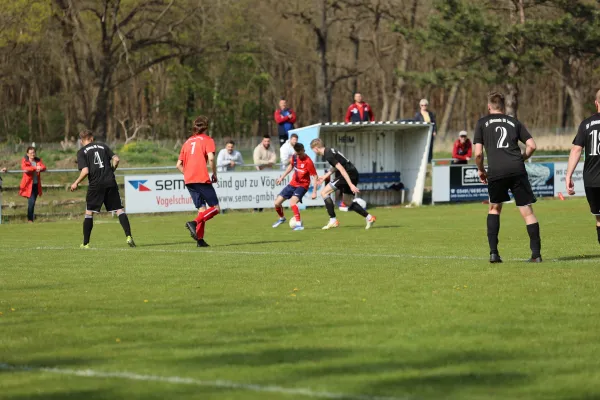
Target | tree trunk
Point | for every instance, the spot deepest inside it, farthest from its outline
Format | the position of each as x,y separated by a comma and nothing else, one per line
324,105
512,95
512,87
578,102
443,130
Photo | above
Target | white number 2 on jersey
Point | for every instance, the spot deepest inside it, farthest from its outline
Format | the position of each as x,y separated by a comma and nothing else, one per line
502,144
98,160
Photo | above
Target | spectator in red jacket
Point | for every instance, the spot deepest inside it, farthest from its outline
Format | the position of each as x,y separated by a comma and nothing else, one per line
31,183
463,149
285,118
359,111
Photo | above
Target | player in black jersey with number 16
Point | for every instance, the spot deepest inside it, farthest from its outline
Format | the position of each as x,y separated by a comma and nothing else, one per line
346,182
500,134
588,139
97,161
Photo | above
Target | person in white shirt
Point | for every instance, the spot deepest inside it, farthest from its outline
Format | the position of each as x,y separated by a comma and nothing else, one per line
287,150
229,158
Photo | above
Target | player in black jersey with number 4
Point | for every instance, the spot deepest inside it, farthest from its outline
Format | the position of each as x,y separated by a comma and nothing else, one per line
98,162
500,134
588,138
346,182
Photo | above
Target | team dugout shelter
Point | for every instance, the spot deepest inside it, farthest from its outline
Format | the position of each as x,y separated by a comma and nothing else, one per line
391,157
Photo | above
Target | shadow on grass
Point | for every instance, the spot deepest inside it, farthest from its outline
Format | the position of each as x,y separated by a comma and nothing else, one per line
253,243
580,257
68,394
268,357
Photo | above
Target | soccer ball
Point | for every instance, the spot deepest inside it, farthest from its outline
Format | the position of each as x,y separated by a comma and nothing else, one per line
293,222
361,203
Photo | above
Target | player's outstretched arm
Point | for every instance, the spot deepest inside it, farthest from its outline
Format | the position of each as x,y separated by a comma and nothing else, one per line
286,173
573,161
479,161
344,173
529,149
84,172
180,166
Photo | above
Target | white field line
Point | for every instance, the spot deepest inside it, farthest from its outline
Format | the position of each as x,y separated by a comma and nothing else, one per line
177,380
277,253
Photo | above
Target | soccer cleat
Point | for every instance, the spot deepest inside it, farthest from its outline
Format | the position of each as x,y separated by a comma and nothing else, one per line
370,222
191,226
343,207
298,227
279,222
202,243
130,241
331,224
535,259
495,258
84,246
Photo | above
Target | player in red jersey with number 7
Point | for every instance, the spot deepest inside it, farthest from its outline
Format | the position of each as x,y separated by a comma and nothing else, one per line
196,153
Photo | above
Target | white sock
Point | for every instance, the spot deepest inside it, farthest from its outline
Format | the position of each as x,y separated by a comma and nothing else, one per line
332,219
369,217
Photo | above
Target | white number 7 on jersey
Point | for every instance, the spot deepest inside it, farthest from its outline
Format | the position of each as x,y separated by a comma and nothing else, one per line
98,160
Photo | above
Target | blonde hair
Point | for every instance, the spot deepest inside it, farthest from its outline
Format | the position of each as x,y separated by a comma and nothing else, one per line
316,143
423,102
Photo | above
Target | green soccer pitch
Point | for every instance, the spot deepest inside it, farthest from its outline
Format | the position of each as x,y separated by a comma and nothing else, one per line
410,309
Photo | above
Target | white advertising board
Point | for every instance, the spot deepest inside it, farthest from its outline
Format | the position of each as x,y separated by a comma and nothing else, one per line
236,190
560,173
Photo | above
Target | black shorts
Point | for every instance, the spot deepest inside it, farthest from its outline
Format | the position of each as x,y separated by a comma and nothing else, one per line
203,194
593,198
341,184
519,186
110,197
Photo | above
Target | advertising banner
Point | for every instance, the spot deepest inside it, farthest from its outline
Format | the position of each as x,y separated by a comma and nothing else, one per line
560,173
465,186
235,190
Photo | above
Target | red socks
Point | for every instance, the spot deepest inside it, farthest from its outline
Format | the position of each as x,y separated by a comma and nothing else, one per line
279,211
296,212
202,218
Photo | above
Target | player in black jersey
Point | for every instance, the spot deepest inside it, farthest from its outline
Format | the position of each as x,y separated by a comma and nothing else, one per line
346,181
97,161
588,138
500,135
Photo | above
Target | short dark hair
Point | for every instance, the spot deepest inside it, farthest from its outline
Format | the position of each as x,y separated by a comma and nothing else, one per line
230,142
86,134
298,147
200,124
496,100
265,136
30,148
293,135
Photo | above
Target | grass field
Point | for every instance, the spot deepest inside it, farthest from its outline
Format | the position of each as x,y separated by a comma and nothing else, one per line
408,310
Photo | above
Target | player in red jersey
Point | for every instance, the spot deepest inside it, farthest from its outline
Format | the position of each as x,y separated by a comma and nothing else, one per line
196,153
304,169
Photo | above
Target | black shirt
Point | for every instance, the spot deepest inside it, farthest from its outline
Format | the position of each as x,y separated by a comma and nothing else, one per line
588,137
97,158
500,135
333,157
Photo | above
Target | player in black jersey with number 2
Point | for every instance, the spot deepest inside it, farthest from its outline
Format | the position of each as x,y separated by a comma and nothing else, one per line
346,182
97,161
588,139
500,134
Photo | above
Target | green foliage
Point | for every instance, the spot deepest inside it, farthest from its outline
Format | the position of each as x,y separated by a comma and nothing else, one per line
23,21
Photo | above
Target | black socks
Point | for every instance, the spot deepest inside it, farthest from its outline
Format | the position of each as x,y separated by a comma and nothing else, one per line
88,224
535,243
493,227
125,224
358,209
330,207
598,231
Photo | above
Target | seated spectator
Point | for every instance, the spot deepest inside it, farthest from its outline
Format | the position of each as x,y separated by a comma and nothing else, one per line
229,158
31,183
264,155
463,149
287,150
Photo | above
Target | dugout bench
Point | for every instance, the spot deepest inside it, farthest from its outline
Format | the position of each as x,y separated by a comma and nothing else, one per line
381,188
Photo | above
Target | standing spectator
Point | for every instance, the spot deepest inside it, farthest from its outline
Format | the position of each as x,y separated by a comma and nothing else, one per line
287,151
359,111
462,150
285,118
229,158
31,183
424,115
264,155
